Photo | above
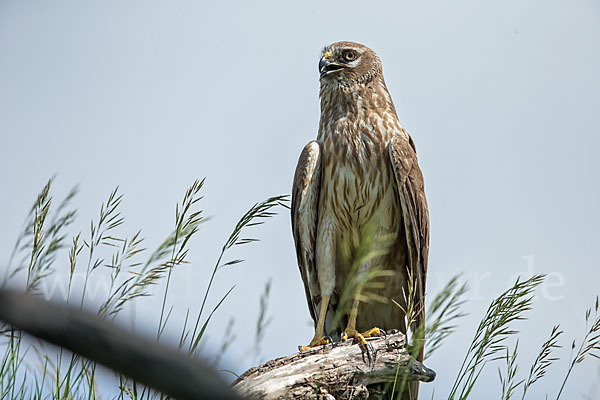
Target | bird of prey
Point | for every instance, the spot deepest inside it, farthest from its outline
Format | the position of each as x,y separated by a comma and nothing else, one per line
359,215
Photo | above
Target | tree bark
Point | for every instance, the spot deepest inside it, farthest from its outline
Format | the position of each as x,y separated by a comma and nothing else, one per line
335,371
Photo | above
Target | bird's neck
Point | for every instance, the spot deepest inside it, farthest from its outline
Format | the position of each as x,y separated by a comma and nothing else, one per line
355,101
358,120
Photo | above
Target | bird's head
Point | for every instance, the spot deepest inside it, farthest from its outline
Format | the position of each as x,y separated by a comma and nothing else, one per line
348,63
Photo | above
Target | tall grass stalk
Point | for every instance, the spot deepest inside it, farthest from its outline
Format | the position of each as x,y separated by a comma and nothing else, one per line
186,225
492,332
37,247
415,336
41,240
443,312
543,360
509,380
263,321
255,216
100,234
590,345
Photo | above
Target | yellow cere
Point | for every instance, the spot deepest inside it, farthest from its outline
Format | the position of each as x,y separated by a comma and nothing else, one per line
327,54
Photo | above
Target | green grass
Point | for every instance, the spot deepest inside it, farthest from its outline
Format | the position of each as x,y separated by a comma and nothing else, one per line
490,342
31,370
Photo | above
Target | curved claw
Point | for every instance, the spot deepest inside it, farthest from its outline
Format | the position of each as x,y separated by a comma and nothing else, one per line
367,348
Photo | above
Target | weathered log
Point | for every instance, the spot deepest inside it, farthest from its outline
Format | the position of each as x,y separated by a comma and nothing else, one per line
335,371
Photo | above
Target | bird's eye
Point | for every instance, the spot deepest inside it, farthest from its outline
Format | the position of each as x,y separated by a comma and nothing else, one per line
350,55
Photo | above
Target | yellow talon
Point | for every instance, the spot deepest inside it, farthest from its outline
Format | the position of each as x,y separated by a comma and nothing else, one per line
319,339
365,347
360,339
316,343
374,332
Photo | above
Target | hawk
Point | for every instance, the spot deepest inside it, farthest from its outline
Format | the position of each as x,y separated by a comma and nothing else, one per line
359,215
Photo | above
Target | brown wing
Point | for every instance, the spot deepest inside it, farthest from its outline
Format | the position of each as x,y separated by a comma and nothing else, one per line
411,189
305,204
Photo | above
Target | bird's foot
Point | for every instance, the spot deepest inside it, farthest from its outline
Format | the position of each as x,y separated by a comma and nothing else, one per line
366,348
316,342
375,332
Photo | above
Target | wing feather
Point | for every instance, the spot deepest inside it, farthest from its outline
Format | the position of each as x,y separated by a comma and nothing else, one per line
304,209
411,190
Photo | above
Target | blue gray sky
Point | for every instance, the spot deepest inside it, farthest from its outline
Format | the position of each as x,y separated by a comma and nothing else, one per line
501,98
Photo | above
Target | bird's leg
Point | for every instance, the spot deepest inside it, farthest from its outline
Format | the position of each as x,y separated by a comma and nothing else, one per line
319,339
325,265
351,332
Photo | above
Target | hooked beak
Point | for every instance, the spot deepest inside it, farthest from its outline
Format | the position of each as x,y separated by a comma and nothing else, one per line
326,67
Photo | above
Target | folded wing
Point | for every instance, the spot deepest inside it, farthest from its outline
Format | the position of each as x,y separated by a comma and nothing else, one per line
305,213
411,190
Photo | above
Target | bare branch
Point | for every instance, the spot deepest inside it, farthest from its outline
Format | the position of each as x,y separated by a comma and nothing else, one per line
165,369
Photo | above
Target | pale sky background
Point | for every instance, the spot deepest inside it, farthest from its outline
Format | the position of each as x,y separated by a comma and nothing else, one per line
501,98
